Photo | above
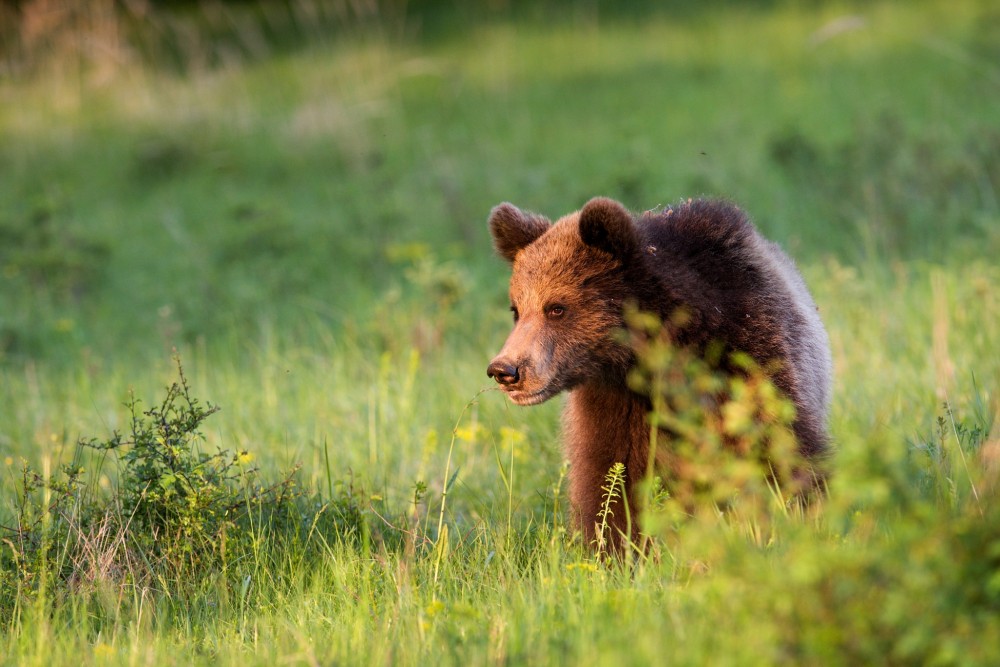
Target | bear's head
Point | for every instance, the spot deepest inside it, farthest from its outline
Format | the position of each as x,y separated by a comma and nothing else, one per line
567,290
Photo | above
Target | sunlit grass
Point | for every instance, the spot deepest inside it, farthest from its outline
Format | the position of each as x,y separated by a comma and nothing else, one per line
307,231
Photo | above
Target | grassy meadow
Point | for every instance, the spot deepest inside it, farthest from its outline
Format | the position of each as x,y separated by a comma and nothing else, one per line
291,199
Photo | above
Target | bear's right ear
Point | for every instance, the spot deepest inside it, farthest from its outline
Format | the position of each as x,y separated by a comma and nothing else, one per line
513,229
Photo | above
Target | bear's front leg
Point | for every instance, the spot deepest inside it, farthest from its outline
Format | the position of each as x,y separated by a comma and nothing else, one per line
604,425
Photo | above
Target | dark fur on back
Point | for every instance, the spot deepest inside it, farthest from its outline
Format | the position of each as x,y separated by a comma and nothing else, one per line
712,261
569,286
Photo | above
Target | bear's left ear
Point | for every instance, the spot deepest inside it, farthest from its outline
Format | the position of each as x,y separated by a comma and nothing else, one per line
513,229
607,225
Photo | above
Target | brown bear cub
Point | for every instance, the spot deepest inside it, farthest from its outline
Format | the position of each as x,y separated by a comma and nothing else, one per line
569,285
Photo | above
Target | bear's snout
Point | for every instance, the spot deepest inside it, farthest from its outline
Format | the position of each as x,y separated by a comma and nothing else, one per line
503,372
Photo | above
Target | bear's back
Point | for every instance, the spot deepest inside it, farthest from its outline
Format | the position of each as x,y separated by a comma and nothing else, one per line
711,239
746,292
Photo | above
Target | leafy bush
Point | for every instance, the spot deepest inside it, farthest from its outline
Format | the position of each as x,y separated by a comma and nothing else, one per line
174,515
722,429
914,578
899,565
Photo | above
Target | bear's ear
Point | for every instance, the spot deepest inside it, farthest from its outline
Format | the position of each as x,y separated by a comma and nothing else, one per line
607,225
513,229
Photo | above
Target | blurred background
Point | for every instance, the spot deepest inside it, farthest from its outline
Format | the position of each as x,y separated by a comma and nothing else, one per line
175,172
293,195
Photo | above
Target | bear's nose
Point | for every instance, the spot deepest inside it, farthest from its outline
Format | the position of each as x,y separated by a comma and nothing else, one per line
504,373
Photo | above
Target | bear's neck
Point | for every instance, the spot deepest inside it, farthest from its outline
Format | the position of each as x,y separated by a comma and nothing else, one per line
607,423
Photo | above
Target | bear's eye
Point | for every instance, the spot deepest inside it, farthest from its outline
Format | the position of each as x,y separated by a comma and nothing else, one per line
555,311
513,309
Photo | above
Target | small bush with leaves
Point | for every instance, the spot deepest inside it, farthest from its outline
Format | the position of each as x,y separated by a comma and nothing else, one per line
913,576
174,511
720,437
182,501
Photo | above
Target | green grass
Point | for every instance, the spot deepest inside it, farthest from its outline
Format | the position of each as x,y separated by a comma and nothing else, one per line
307,229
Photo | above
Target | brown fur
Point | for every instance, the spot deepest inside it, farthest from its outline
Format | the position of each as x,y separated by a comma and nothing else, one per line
569,284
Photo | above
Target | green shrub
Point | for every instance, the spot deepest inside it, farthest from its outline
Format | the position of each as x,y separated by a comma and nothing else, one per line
914,578
721,430
173,515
